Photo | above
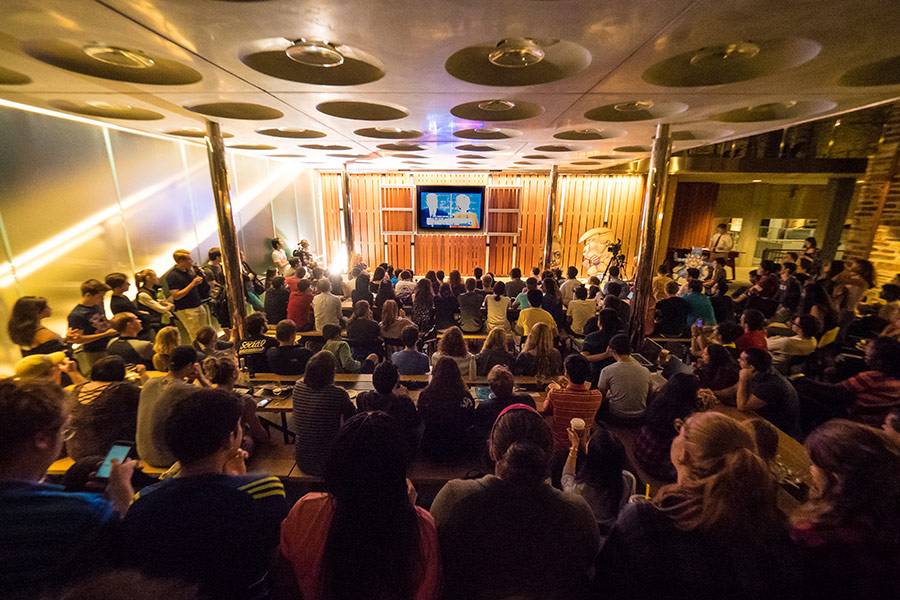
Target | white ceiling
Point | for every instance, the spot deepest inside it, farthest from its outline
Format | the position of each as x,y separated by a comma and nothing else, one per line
413,39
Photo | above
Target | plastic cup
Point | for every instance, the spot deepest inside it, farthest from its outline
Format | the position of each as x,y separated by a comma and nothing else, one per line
577,425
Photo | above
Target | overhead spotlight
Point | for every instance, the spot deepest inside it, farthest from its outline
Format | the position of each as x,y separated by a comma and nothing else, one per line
315,53
120,57
728,53
496,105
635,106
516,53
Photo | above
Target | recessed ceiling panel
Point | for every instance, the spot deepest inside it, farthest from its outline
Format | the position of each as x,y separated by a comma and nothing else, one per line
287,132
486,133
402,147
635,110
111,62
195,133
588,134
109,110
775,111
253,147
388,133
312,61
330,147
632,149
518,61
237,110
10,77
470,156
362,111
477,148
553,148
684,135
880,72
730,62
535,156
497,109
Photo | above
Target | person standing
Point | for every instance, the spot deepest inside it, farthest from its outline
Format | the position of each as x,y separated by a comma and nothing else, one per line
88,325
215,275
118,301
279,257
189,288
26,330
721,241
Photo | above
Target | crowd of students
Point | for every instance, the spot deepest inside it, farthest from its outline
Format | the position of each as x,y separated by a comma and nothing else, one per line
557,515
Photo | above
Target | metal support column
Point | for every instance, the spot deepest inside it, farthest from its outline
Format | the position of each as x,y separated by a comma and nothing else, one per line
348,218
551,202
231,260
839,194
653,198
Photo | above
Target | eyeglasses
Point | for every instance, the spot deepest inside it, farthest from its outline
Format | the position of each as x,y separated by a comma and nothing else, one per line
68,432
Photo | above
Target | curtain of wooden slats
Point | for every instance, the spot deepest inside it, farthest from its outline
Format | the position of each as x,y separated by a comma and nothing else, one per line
693,215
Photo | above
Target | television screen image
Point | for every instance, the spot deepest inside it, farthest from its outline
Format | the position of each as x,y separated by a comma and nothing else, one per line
450,208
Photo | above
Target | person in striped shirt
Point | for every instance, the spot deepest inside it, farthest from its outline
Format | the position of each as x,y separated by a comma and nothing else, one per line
214,525
577,399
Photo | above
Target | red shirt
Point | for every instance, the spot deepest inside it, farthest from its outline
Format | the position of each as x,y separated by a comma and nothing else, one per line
752,339
565,405
299,309
876,394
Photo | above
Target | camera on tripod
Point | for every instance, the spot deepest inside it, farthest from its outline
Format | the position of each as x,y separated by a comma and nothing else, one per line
615,249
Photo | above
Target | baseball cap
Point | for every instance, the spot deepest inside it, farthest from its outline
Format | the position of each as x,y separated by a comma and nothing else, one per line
38,365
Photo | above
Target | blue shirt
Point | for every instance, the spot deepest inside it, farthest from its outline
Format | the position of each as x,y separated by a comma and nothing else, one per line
219,531
410,362
701,308
49,536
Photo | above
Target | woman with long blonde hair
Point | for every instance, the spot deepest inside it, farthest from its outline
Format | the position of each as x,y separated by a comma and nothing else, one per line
496,350
539,358
393,321
167,339
453,345
716,532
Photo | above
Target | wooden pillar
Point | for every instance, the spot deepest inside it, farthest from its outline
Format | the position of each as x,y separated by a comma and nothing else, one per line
653,198
348,217
551,202
231,258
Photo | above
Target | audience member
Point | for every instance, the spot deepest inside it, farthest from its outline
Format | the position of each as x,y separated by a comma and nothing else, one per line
700,310
789,292
848,532
48,368
614,277
279,258
891,426
456,283
446,308
118,302
624,384
126,345
448,412
363,332
538,357
596,343
167,339
410,361
754,336
49,537
851,285
567,289
392,321
26,330
552,301
715,533
253,348
276,300
340,349
497,305
661,282
762,389
364,537
818,303
319,409
213,525
326,307
716,368
496,350
158,395
802,343
470,318
385,294
128,584
151,309
580,310
405,287
576,400
529,317
614,301
300,306
288,358
423,306
215,275
521,299
672,312
88,325
188,287
207,343
691,274
104,410
510,515
666,410
502,394
453,345
222,372
515,285
601,478
392,398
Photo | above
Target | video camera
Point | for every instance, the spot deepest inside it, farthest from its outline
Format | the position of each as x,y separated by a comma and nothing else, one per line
615,249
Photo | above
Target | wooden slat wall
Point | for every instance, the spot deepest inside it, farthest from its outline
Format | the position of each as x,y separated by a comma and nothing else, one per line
583,199
693,215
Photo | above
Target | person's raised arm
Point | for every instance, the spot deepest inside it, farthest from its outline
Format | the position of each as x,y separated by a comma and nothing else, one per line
744,399
181,293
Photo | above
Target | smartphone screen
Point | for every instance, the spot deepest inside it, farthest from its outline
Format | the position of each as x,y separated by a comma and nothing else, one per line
119,451
262,403
699,323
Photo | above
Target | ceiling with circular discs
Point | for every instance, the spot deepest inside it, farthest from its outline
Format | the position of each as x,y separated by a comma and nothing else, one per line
435,85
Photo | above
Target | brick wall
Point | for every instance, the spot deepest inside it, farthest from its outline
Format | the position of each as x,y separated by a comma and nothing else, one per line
875,218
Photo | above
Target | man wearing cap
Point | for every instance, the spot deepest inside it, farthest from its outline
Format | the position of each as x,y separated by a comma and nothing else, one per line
48,368
88,325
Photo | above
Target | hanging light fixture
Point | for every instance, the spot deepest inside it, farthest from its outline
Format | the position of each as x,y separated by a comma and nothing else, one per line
120,57
516,53
315,53
728,53
496,105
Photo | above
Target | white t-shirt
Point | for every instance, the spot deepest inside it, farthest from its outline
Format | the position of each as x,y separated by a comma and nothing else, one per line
783,347
280,260
721,242
404,288
326,309
496,313
567,290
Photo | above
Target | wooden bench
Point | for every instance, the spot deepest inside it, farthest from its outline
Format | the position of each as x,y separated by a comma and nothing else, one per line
359,378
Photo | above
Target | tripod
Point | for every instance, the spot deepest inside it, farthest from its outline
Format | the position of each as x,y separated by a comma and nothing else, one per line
617,261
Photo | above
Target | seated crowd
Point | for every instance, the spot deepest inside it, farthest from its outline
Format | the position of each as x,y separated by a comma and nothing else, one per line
803,350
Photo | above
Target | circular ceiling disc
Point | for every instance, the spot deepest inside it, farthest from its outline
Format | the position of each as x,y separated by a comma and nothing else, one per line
253,147
535,156
71,57
362,111
713,65
401,147
485,134
775,111
107,110
195,133
388,134
561,59
286,132
553,148
634,110
237,110
880,72
269,58
632,149
330,147
10,77
477,148
473,111
585,135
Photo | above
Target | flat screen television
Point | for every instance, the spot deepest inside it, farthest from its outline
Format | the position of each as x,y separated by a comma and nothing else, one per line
450,208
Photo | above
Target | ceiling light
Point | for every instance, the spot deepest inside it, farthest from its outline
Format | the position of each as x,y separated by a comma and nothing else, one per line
486,130
635,106
756,181
315,53
516,53
496,105
729,53
388,129
120,57
107,105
